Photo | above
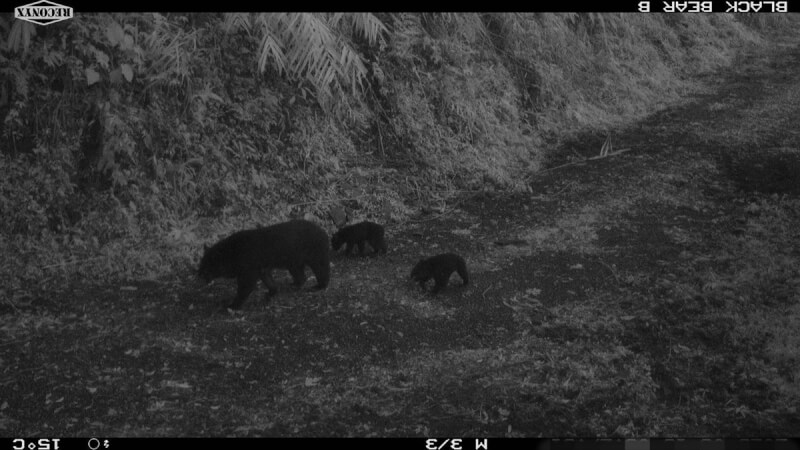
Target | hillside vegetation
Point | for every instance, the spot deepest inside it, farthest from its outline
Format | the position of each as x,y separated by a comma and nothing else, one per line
131,139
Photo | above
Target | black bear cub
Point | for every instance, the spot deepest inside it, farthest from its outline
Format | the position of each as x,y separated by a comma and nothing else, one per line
440,267
358,234
252,254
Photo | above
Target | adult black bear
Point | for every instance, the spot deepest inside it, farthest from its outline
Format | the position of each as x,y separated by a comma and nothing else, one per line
358,234
252,254
440,267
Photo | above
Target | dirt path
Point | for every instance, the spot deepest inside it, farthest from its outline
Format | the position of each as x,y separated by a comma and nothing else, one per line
653,293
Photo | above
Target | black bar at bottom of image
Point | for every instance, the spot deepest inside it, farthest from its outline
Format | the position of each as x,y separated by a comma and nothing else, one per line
126,443
440,443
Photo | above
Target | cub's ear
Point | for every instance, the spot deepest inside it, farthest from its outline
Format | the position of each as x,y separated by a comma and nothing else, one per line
206,247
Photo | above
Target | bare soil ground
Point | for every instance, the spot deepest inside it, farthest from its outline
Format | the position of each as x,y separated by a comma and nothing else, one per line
651,293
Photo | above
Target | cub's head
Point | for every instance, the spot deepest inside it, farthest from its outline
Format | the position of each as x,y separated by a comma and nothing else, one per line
337,240
213,264
420,270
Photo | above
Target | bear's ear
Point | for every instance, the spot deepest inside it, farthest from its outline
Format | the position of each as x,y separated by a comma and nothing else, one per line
206,247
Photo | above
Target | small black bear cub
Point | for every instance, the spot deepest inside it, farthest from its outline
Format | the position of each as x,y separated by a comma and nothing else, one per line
440,267
358,234
252,254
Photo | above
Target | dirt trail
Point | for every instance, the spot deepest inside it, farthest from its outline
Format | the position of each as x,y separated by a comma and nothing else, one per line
653,293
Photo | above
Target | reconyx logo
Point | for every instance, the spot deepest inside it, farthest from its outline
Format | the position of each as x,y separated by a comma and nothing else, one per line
43,12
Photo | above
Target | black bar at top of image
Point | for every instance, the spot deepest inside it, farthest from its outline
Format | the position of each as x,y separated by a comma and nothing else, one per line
246,5
612,6
717,6
685,6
